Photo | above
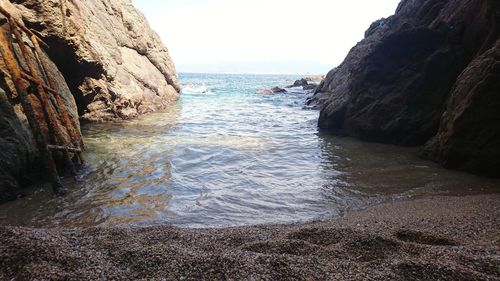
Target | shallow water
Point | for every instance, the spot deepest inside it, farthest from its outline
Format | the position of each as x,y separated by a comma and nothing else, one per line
230,157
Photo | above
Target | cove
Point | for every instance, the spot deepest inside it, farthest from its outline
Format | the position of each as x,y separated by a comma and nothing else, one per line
226,156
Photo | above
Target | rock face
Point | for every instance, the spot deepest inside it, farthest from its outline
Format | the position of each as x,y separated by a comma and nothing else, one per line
428,74
19,156
17,149
102,59
469,134
115,65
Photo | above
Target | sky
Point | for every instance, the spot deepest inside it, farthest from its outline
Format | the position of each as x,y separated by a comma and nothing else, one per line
261,36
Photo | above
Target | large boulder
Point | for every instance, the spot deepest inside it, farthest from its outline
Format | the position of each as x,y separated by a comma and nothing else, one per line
395,85
115,65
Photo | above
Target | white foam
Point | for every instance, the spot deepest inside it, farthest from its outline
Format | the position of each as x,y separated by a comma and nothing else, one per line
193,89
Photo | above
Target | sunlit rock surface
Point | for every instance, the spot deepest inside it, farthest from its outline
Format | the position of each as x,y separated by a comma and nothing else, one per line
116,66
105,62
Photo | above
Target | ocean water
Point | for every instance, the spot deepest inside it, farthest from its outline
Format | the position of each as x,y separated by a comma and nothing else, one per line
226,156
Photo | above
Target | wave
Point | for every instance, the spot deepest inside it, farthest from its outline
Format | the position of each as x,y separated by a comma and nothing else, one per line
193,89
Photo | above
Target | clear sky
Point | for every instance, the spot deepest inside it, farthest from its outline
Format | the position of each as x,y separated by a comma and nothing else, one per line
261,36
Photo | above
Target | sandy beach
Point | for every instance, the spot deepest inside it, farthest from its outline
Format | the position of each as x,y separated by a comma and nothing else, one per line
438,238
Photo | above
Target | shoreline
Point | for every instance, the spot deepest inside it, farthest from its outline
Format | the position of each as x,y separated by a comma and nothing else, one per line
440,237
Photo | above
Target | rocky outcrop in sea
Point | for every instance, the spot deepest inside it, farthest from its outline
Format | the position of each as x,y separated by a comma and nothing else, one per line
97,60
273,90
302,86
427,76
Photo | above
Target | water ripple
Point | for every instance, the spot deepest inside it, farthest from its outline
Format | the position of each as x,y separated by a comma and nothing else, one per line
231,158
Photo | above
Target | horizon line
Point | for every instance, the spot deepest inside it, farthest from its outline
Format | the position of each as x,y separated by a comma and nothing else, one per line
251,73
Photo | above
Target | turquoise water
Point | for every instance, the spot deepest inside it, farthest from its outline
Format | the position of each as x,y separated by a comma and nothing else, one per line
225,156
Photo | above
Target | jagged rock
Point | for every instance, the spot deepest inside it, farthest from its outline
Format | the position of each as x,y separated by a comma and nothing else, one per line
115,65
104,51
272,91
299,83
395,84
19,156
304,84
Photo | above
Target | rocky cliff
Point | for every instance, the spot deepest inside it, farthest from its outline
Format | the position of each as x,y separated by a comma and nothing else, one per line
115,65
429,75
62,61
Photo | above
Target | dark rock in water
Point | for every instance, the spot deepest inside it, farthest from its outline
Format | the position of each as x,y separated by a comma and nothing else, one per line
304,84
299,83
431,57
272,91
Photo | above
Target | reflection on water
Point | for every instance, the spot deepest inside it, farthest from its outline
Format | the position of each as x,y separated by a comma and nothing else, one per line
232,157
375,173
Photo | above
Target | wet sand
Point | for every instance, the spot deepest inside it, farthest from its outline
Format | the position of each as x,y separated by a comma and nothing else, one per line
438,238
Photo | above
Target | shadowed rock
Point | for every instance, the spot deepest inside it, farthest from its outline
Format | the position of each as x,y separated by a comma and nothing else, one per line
426,74
299,83
304,84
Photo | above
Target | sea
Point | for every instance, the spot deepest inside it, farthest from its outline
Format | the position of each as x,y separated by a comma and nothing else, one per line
224,155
